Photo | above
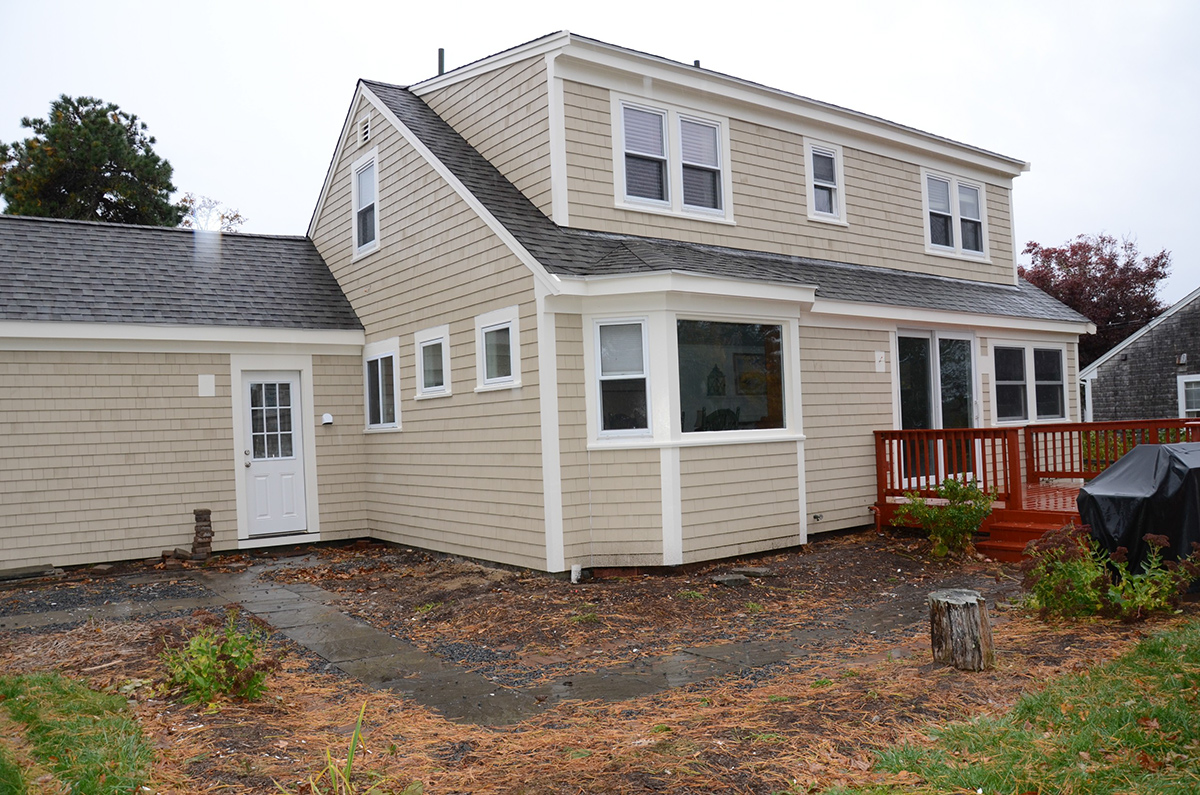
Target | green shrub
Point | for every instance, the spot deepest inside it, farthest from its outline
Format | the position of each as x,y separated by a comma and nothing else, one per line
223,661
952,525
1068,574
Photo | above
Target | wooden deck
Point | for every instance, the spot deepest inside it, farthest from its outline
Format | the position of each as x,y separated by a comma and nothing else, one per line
1029,469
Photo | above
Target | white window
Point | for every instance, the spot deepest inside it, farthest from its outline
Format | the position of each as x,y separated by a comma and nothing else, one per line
730,376
955,221
433,362
671,161
498,350
621,352
1189,396
365,189
824,182
381,378
1012,367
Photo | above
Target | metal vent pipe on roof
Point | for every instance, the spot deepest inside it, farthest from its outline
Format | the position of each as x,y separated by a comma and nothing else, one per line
441,60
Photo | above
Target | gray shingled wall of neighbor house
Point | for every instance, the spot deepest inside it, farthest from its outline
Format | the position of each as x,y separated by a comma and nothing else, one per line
1141,382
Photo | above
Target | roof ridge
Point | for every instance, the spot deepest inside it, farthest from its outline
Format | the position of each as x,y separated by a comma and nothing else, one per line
5,217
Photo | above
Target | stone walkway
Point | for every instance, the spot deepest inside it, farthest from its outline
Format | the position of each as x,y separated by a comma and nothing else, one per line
304,613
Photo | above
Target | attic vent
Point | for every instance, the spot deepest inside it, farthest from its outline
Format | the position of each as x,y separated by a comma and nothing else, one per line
364,129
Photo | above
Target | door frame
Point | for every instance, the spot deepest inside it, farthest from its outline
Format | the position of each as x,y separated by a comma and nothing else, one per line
239,365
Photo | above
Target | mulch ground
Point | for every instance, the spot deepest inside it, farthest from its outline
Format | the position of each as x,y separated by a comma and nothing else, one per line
799,726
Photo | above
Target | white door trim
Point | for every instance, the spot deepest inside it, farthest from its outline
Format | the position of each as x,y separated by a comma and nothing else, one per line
302,363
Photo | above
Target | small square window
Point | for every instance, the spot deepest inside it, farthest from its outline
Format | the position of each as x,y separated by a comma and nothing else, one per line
1011,401
433,365
955,216
823,177
497,350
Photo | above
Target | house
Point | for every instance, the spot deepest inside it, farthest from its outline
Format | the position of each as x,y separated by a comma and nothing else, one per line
586,306
1154,372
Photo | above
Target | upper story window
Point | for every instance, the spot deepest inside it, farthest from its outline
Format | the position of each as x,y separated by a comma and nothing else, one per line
433,362
623,379
955,216
498,350
670,161
365,190
824,182
380,378
1012,366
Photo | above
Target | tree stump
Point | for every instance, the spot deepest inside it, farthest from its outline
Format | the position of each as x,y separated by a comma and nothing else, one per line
960,630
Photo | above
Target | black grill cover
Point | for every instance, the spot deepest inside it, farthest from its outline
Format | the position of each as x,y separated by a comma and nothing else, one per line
1152,489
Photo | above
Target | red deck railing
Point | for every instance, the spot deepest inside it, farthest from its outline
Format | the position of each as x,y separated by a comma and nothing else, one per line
1085,449
918,461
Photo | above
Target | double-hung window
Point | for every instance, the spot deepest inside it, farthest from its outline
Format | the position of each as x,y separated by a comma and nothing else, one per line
497,350
954,216
1189,396
823,167
1012,368
670,161
433,362
365,190
381,379
621,348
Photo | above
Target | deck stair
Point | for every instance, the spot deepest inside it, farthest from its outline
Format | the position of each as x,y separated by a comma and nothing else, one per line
1007,532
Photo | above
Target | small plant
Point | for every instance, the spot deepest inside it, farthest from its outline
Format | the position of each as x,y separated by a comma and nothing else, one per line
215,662
952,521
822,683
584,618
754,607
779,699
691,595
427,608
335,779
1068,574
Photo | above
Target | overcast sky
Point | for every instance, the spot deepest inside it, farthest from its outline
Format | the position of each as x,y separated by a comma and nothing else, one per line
246,99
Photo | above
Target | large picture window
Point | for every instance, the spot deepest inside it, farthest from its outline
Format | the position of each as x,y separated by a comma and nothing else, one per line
622,358
730,376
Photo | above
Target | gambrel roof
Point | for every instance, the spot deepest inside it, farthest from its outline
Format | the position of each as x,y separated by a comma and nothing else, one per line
88,272
574,253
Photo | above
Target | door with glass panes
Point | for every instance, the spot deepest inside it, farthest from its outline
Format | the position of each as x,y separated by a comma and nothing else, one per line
937,390
273,458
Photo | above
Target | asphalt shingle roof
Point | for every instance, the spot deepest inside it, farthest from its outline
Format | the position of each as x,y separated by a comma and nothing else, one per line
578,253
55,270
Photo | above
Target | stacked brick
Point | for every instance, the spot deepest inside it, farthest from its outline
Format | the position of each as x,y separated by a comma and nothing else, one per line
202,541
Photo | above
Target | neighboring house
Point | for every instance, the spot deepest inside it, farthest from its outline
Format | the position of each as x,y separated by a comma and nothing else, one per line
1154,373
615,310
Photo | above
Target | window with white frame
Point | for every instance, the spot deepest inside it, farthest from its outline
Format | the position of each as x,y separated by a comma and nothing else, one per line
365,190
1013,364
433,362
1189,396
497,350
955,215
381,380
730,375
671,161
621,353
823,168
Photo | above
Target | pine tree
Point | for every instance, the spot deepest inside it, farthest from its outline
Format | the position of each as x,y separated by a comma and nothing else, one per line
89,161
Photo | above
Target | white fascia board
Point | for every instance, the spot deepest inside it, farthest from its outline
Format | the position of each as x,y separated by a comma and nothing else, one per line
625,70
16,335
914,316
532,49
347,127
544,277
1091,369
684,282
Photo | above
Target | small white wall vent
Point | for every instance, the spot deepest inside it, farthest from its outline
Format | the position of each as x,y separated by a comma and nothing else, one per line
364,129
1181,359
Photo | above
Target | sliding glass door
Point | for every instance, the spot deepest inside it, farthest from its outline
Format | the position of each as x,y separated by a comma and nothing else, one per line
937,390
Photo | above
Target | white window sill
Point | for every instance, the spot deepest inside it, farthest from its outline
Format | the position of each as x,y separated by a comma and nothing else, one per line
965,256
381,429
698,439
498,387
713,216
431,395
833,220
359,253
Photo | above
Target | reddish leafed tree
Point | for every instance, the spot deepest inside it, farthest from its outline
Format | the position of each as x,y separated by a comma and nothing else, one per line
1105,280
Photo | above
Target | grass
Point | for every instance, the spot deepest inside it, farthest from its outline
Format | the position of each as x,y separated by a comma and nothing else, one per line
1128,726
12,780
85,738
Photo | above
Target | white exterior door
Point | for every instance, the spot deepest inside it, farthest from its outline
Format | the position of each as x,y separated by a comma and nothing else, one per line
273,457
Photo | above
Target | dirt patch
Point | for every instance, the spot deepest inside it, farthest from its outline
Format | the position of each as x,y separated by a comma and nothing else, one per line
795,725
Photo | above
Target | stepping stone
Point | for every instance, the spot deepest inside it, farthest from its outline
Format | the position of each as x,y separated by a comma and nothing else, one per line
731,580
755,571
